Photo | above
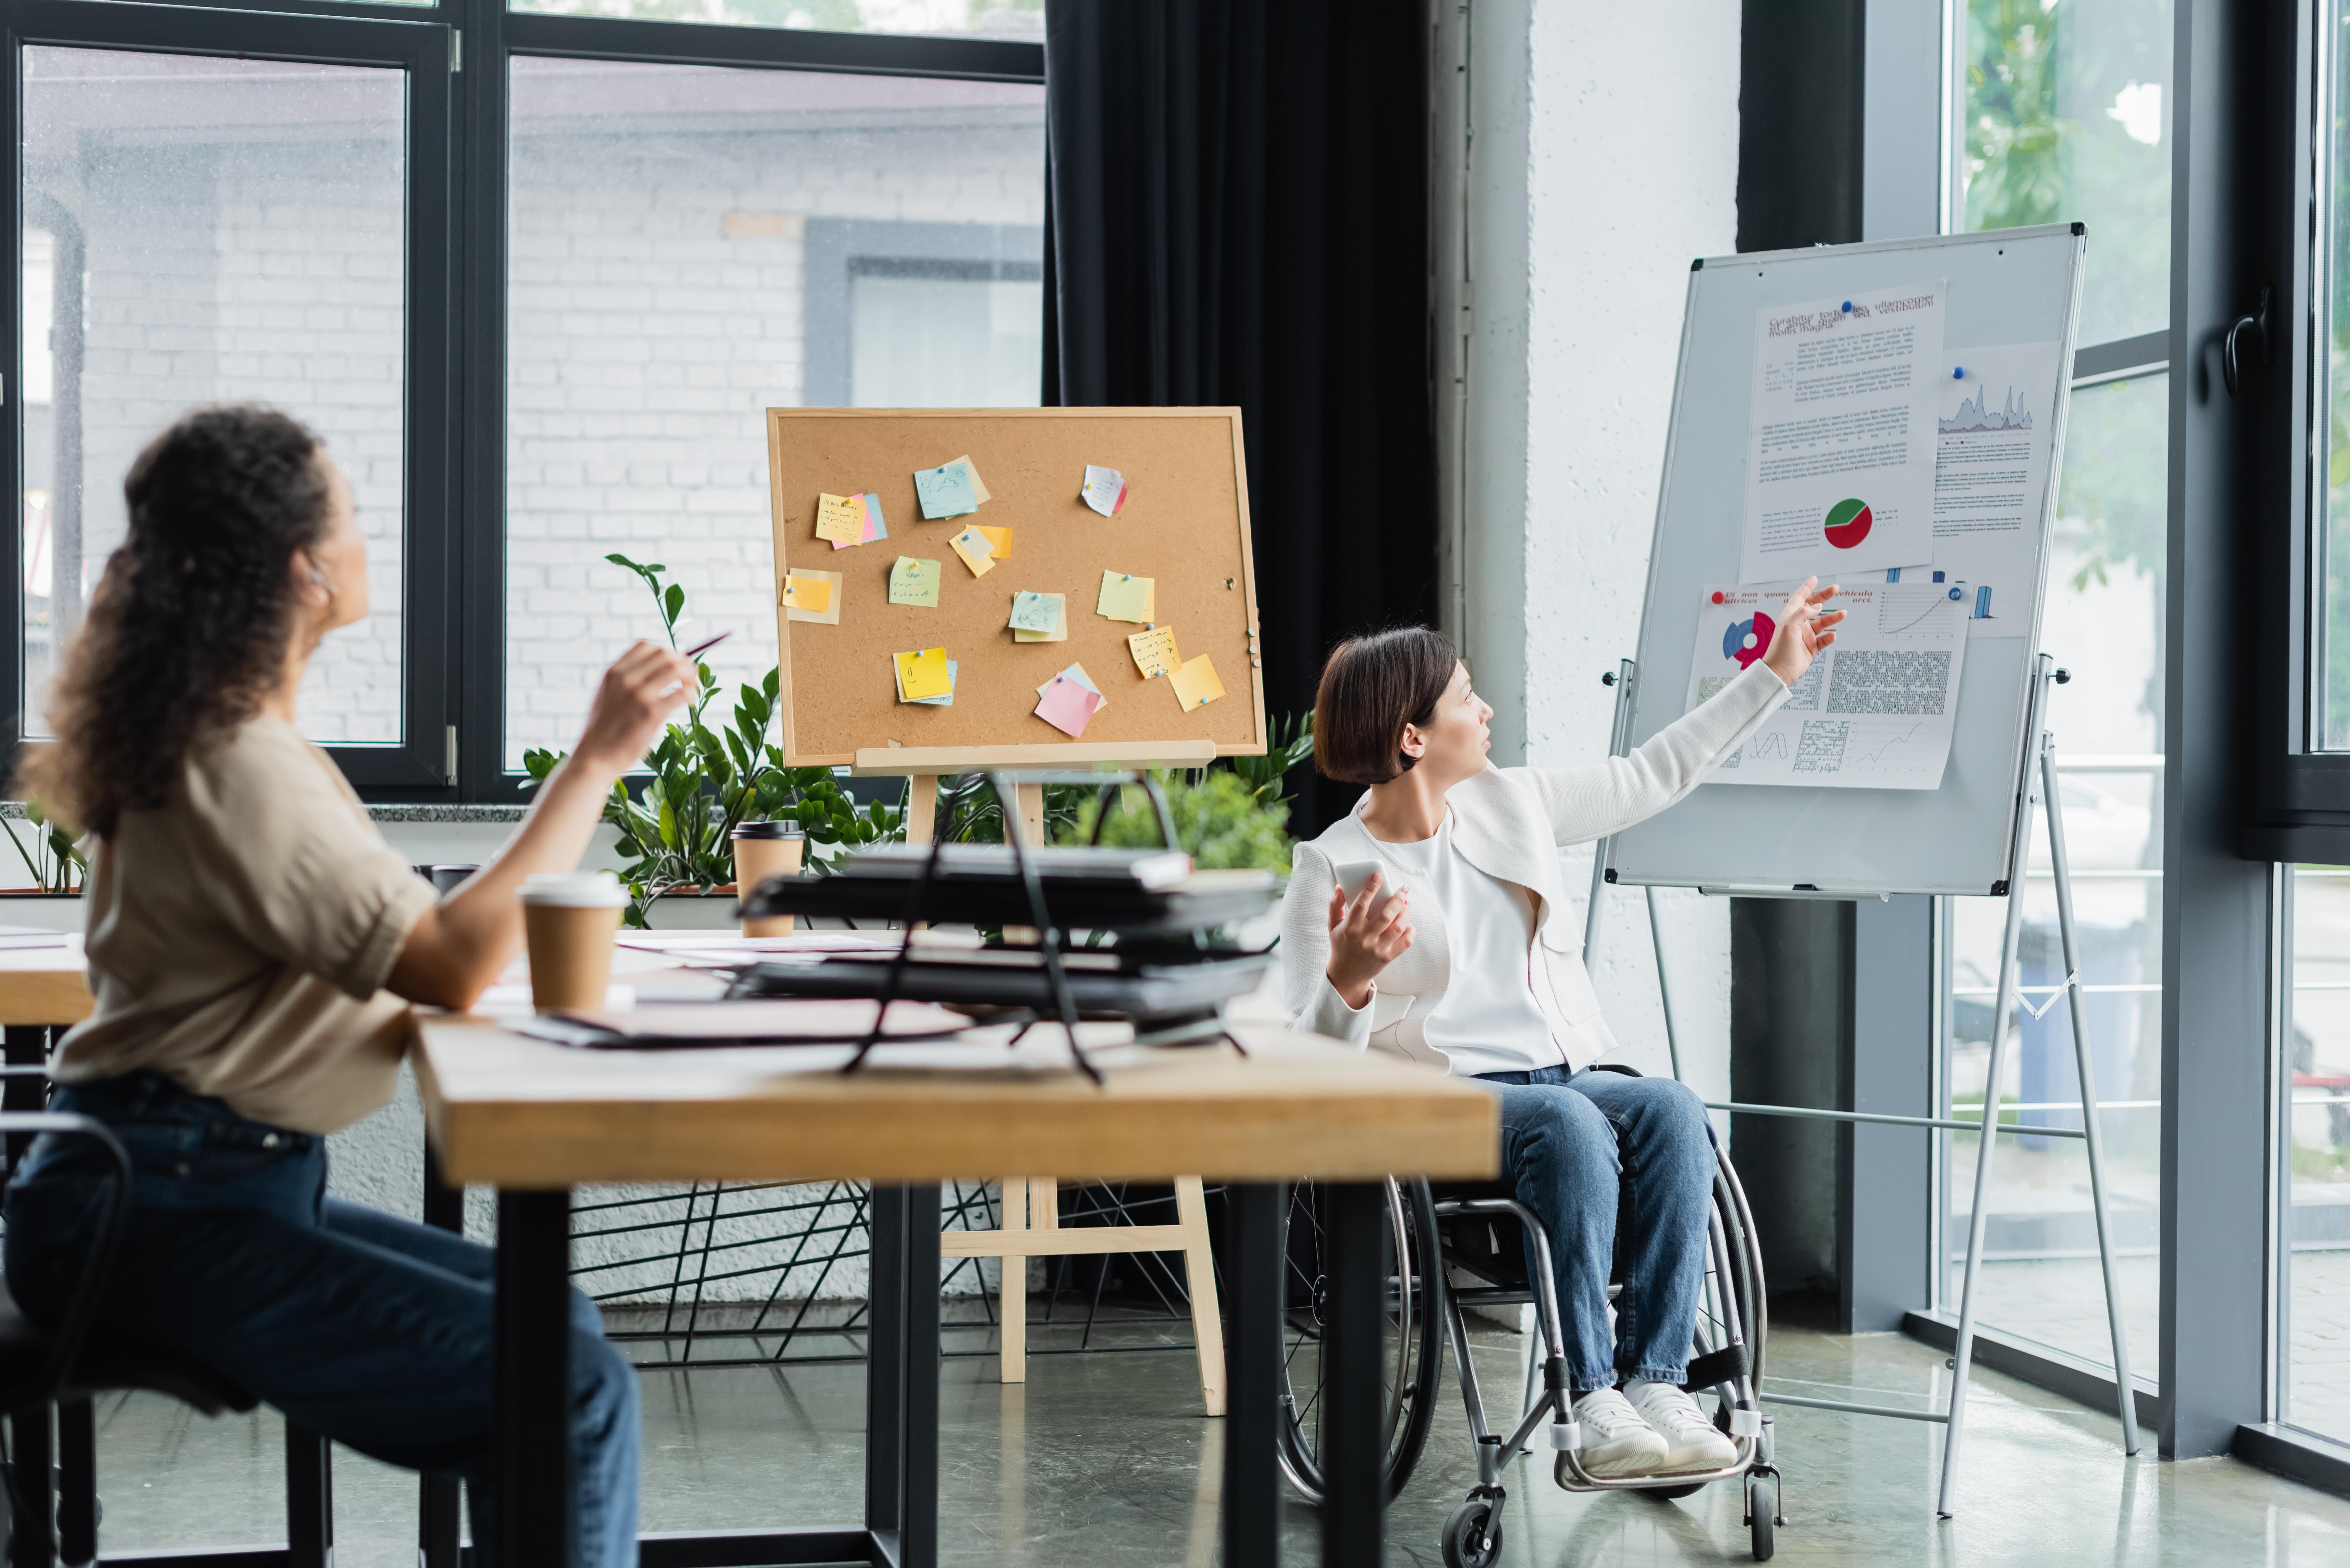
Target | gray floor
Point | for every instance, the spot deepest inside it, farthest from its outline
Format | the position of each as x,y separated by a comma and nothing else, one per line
1104,1459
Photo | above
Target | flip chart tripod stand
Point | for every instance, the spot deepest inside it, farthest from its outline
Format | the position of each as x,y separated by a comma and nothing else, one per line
2035,786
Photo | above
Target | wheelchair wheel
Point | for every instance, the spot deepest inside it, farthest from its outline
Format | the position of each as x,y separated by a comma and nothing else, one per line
1412,1356
1472,1538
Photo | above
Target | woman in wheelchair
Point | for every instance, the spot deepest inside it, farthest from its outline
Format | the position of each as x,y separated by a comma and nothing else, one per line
1459,949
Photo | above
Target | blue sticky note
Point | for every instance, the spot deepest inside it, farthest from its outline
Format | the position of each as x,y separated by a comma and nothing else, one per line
945,492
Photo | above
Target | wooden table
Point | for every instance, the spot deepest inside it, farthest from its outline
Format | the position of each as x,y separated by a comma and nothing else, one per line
534,1119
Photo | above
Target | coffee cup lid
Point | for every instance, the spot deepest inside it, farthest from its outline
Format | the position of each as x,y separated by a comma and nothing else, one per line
785,829
576,890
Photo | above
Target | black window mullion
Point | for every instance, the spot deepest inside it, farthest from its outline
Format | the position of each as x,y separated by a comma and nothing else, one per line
481,408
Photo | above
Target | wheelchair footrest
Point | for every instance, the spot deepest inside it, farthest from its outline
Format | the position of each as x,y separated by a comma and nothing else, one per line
1717,1366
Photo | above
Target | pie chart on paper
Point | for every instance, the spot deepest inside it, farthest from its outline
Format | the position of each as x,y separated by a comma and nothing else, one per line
1748,639
1848,523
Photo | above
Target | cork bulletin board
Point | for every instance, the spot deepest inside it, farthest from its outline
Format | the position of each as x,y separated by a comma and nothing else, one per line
1184,525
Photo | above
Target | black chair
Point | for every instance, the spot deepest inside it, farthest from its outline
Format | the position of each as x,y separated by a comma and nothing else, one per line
47,1381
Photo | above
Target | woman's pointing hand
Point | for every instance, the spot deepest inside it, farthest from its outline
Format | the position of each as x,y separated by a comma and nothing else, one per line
1803,631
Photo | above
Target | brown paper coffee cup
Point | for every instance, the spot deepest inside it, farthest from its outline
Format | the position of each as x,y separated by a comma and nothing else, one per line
568,923
760,854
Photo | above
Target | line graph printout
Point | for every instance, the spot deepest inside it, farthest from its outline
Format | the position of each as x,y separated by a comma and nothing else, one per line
1994,438
1840,440
1876,709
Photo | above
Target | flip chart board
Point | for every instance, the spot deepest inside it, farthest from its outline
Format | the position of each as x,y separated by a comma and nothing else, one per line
1176,554
2008,303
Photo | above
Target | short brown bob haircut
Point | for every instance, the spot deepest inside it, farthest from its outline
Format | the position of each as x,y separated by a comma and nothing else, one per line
1372,687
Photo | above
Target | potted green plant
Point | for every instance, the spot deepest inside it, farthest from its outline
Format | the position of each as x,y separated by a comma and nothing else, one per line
59,870
676,827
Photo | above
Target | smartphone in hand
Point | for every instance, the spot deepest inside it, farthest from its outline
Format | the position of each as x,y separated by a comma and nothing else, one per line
1355,875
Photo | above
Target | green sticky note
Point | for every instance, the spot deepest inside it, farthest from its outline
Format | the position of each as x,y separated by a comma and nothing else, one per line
1035,612
1124,597
914,582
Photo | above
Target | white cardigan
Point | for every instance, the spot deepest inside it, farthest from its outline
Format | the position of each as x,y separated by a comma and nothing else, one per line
1509,822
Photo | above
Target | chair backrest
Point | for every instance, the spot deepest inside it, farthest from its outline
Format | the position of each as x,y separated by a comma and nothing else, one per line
72,1332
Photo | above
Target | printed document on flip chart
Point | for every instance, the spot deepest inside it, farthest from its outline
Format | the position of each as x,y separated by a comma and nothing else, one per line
1840,436
1877,708
1995,436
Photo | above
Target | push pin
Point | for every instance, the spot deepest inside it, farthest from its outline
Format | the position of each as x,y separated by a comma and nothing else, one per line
1847,305
1958,372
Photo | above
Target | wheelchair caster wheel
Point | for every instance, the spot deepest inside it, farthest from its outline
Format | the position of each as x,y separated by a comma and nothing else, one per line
1762,1514
1472,1536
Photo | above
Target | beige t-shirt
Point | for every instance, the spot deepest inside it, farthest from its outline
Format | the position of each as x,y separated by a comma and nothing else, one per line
240,936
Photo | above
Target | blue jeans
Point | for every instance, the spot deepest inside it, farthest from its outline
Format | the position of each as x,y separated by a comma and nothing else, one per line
373,1330
1569,1145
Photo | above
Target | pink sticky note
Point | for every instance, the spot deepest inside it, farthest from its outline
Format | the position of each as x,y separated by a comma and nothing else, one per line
1067,706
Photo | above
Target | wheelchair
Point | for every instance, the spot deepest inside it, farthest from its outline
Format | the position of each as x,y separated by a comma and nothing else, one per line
1459,1245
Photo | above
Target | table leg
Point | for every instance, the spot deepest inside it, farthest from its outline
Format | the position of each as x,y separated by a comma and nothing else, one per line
1253,1399
1354,1432
23,1046
901,1374
536,1512
439,1503
309,1498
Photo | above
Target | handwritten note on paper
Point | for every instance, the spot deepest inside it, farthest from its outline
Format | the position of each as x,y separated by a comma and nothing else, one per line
978,490
977,553
1035,612
1104,489
873,528
1154,652
998,539
811,597
923,674
945,492
1124,597
1196,684
841,519
1060,632
914,582
1067,706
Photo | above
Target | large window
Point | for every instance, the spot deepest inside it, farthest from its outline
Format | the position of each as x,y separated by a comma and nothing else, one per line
692,246
202,231
2062,115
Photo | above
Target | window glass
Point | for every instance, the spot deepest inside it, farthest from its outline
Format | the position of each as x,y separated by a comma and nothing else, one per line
2316,1224
1023,19
2065,116
691,245
202,231
2330,724
2104,624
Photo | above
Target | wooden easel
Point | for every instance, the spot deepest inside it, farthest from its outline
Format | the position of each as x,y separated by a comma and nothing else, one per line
1032,1215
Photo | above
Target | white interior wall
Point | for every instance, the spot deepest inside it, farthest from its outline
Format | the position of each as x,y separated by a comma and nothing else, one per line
1603,159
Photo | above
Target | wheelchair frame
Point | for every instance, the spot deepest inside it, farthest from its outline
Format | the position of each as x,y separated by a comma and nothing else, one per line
1733,1369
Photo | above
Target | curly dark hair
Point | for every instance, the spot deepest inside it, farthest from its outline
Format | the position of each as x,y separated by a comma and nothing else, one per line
187,629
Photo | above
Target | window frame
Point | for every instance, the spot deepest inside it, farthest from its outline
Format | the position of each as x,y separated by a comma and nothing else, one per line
457,55
419,47
498,36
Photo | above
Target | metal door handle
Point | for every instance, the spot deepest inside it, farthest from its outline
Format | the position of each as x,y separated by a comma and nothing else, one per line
2259,324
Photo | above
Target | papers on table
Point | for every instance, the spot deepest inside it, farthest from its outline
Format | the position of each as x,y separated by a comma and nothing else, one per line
1841,435
1875,710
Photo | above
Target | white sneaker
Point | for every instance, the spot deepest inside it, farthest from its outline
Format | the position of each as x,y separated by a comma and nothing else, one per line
1615,1441
1694,1442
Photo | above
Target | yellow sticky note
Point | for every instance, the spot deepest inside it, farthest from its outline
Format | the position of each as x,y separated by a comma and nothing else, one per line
1195,682
1124,597
840,519
977,553
914,582
1154,652
810,596
1060,632
998,539
924,674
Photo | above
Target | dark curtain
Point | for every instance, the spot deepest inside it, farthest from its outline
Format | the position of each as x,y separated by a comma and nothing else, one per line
1238,205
